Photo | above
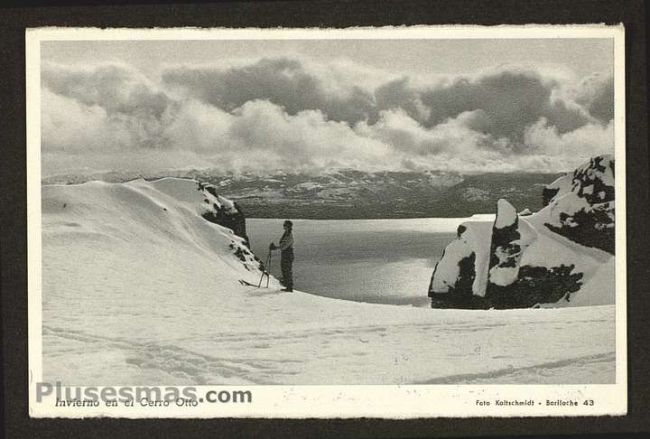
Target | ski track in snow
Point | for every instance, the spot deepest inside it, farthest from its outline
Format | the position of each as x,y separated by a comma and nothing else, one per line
545,370
181,363
138,289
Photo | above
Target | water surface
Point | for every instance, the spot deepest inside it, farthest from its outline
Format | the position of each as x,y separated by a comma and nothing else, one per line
381,261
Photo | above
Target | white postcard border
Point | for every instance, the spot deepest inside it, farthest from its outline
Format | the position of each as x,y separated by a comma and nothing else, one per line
385,401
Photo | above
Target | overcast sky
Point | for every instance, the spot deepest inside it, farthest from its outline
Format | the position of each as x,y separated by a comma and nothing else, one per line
464,105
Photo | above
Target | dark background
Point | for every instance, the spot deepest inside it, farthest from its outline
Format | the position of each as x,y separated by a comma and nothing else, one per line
16,16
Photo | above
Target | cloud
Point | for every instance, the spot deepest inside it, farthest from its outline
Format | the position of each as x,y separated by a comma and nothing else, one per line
285,82
405,134
261,135
508,100
596,94
114,106
545,139
289,114
117,89
69,126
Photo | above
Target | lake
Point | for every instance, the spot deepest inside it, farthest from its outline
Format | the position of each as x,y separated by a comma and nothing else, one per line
380,261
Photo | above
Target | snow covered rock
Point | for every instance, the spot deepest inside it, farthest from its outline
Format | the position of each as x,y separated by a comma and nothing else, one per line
549,257
556,189
580,205
510,238
459,282
223,211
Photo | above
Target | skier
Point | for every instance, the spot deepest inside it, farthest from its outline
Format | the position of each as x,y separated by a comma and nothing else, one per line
286,255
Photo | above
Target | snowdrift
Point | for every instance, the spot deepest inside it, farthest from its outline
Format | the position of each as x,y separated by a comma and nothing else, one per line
138,288
561,255
166,213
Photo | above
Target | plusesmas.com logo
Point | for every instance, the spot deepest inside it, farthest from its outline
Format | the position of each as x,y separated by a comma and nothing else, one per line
140,396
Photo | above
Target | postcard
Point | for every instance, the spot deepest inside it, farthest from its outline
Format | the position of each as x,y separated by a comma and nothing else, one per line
391,222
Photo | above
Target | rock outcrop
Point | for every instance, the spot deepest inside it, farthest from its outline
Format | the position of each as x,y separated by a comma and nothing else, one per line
518,261
222,211
582,204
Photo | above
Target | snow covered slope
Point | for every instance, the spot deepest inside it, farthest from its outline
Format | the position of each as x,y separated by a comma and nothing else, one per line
553,256
138,288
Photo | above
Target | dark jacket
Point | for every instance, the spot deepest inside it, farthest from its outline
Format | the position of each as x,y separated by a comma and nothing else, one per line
286,245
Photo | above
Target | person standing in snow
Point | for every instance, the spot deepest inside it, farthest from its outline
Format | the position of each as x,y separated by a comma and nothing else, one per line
286,255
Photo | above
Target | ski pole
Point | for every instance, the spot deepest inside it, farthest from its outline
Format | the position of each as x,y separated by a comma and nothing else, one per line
268,271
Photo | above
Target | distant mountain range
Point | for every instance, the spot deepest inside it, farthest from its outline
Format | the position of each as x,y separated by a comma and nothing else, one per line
347,193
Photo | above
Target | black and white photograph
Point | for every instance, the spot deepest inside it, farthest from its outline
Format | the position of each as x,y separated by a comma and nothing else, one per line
398,209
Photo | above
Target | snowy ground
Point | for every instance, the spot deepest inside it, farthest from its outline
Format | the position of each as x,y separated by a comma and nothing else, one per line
138,289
